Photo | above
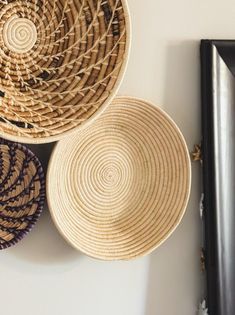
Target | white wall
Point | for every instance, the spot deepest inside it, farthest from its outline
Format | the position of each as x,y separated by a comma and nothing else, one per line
43,275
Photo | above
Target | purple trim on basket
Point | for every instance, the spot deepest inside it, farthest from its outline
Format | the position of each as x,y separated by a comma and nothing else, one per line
31,219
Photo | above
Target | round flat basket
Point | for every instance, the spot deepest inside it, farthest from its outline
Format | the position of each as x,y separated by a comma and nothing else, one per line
22,192
118,189
61,64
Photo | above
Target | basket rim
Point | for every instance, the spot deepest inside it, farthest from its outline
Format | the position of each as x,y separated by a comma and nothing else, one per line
99,111
172,230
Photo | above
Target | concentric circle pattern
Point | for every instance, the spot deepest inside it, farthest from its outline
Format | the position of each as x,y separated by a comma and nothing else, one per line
22,192
118,189
19,34
61,63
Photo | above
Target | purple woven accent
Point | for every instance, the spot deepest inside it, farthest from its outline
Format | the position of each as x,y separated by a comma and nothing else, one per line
22,193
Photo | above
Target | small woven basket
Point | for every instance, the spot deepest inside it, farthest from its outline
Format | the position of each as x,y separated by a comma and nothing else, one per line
22,192
61,63
118,189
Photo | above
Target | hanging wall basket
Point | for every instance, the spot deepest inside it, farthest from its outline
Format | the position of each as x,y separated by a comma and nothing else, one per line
61,63
118,189
22,192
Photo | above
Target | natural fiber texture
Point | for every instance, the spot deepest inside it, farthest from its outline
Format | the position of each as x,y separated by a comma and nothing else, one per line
22,192
61,63
118,189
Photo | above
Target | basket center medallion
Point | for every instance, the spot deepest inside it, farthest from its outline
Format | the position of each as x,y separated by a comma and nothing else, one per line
19,34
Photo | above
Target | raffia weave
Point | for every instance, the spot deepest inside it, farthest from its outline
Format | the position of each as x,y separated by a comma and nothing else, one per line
22,192
118,189
61,63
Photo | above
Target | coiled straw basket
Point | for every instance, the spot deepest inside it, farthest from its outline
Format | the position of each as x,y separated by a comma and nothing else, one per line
22,192
61,63
118,189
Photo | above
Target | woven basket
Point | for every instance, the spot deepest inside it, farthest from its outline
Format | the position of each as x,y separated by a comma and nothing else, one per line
22,192
118,189
61,63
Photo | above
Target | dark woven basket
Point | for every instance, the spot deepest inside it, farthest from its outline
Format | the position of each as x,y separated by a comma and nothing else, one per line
22,192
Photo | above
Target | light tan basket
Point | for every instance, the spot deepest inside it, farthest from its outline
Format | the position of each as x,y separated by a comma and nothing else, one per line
118,189
61,63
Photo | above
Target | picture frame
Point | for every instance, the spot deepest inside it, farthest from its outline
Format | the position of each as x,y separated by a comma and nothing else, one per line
218,156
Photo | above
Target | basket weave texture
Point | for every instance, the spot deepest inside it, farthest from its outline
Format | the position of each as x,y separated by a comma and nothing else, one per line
61,63
118,189
22,192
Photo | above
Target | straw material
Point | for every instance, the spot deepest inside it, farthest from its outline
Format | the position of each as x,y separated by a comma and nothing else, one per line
61,63
118,189
22,192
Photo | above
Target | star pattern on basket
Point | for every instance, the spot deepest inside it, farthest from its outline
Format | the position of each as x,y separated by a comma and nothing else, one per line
77,56
22,192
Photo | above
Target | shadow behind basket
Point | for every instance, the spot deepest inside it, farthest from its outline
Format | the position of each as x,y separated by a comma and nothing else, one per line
22,192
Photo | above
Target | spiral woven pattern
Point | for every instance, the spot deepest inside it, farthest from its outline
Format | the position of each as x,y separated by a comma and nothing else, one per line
19,34
61,63
22,192
118,189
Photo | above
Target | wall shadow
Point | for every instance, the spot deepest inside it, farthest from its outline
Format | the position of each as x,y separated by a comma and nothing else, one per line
175,282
